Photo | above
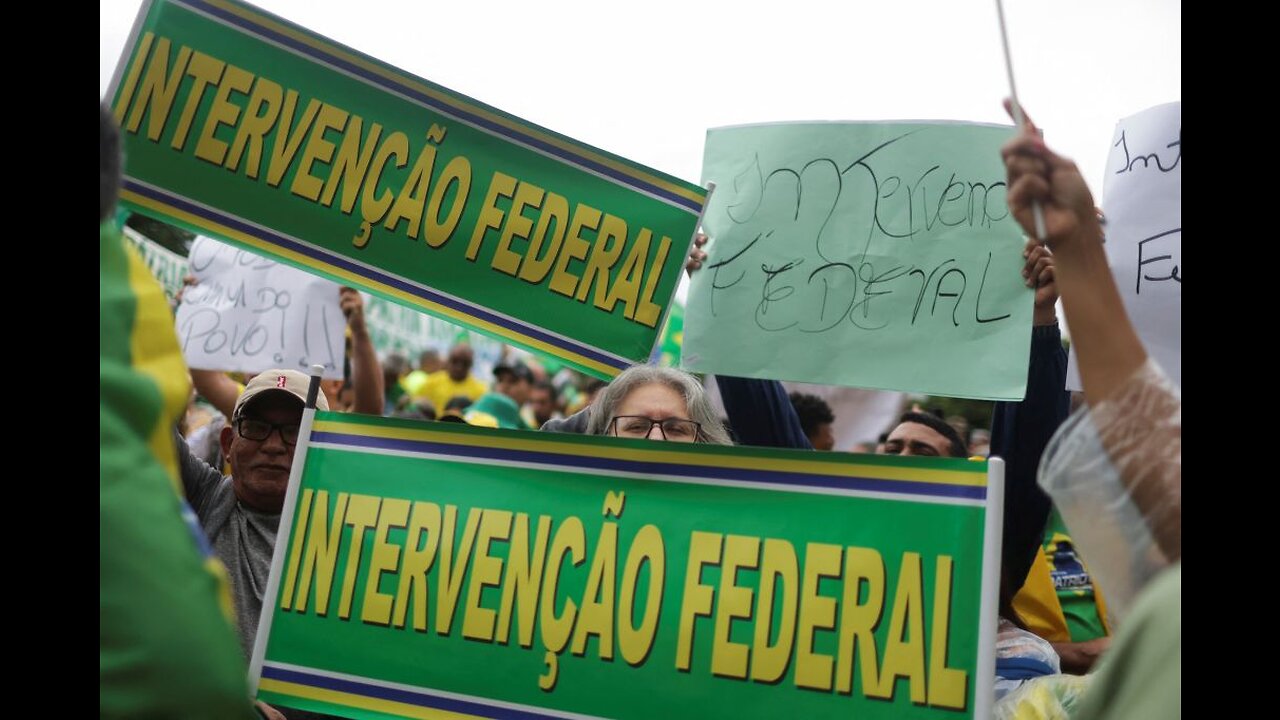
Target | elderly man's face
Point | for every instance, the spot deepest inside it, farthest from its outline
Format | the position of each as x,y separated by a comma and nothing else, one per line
260,468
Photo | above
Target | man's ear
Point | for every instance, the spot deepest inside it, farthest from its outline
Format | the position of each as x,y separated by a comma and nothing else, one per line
228,434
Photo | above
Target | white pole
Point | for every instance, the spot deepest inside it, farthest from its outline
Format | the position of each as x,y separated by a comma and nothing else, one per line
984,687
269,599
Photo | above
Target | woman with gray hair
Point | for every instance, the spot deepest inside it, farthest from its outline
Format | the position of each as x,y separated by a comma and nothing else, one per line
659,403
656,403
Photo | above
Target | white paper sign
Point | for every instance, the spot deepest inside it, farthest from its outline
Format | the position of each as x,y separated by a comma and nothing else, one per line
247,313
1142,200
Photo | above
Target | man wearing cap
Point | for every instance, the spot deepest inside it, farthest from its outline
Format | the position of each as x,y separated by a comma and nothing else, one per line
501,406
241,513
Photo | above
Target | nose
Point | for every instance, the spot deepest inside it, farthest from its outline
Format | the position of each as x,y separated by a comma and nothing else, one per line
655,433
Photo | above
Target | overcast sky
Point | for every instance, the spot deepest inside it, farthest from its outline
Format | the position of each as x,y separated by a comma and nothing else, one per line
646,79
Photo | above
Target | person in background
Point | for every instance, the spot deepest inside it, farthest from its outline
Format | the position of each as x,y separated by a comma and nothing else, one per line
816,419
656,403
924,434
1115,469
501,407
455,379
394,369
417,410
543,404
415,382
429,361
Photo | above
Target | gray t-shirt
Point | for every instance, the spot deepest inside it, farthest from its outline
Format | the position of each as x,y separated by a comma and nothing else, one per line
243,538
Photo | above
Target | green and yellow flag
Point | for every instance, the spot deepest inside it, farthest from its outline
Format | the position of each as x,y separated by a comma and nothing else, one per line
165,646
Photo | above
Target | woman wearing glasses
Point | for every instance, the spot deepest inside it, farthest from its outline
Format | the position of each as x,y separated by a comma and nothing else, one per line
656,403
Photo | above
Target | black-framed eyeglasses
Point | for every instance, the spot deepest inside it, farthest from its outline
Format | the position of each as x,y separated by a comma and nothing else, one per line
260,430
639,426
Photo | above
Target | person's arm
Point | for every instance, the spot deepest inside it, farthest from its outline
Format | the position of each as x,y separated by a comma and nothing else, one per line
1107,347
198,478
366,371
761,413
267,712
1109,354
1078,658
220,390
1021,431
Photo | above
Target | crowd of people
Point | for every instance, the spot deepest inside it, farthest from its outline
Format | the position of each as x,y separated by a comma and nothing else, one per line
219,485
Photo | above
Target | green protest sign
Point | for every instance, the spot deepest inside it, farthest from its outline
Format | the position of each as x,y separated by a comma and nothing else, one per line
443,570
243,126
862,254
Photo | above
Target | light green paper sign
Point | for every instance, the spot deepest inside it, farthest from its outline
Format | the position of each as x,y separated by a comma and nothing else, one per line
863,254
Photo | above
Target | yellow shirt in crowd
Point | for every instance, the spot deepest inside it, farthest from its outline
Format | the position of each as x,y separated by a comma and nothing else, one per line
440,389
